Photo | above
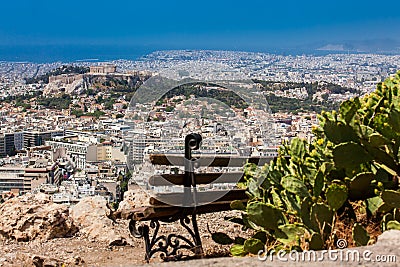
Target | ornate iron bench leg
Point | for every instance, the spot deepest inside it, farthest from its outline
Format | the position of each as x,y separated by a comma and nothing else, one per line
198,250
170,245
145,232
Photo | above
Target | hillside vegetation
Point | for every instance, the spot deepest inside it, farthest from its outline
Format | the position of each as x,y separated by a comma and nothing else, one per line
276,103
286,104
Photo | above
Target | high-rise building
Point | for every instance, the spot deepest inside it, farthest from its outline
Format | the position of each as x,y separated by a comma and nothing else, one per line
19,140
9,144
2,146
37,138
104,151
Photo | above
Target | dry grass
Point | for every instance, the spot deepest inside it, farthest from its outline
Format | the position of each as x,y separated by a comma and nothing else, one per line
344,224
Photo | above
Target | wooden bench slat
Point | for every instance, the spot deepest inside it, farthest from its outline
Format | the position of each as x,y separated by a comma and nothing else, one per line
202,197
166,211
201,178
211,161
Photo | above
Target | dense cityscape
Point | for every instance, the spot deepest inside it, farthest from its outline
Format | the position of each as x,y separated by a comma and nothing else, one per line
72,131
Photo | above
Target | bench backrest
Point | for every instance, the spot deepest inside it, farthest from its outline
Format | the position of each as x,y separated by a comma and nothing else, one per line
189,179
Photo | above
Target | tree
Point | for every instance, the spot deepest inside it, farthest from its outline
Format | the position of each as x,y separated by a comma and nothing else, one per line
169,109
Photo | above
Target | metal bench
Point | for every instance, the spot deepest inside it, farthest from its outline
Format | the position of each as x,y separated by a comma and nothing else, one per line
185,206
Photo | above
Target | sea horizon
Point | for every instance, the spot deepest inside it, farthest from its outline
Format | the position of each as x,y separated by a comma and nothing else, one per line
41,54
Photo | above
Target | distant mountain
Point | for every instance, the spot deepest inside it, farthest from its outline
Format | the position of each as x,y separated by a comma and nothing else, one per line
332,47
368,46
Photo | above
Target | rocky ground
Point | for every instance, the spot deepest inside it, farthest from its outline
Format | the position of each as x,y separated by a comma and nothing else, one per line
88,251
36,232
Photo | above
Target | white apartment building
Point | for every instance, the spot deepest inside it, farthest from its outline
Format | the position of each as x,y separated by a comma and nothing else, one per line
78,152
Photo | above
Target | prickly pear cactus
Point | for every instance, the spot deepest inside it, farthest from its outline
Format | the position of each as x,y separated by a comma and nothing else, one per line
360,235
298,197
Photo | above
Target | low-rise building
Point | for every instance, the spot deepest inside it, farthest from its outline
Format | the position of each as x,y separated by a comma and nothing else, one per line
22,179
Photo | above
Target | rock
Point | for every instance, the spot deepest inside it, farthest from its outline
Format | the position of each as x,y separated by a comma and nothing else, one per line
43,261
54,87
75,261
389,238
132,199
30,217
93,217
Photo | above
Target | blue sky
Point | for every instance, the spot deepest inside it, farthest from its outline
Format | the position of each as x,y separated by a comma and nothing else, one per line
196,24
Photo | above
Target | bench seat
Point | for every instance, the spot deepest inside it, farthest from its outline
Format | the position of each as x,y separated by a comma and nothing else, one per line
165,212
